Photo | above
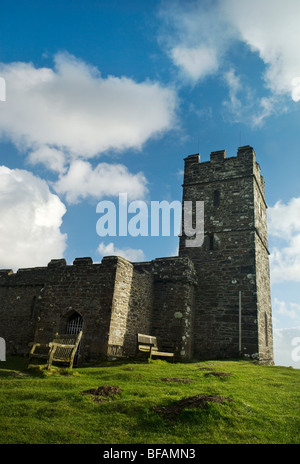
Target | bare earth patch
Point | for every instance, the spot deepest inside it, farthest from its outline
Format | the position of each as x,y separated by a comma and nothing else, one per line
174,379
218,374
103,393
199,401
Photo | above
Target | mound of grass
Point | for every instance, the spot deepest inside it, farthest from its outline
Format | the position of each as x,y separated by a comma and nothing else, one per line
151,403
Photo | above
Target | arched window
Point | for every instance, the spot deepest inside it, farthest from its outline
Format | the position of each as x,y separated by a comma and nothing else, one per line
216,198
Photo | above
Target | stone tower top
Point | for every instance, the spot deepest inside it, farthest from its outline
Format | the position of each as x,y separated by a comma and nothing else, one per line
245,152
220,168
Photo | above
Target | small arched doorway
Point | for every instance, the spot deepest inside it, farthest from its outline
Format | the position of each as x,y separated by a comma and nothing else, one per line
74,326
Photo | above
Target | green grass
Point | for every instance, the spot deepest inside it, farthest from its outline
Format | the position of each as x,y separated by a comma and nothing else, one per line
42,407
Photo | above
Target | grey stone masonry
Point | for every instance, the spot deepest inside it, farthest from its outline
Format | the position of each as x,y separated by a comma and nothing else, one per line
233,263
211,301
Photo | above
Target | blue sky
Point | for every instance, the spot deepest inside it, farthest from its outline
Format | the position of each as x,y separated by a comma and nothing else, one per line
104,97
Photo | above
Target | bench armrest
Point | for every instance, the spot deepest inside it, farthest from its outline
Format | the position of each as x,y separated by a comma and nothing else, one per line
61,345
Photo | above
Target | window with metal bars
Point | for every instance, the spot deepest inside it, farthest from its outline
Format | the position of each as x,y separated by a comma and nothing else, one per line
74,326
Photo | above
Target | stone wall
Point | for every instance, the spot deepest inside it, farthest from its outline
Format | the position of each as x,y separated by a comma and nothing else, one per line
264,314
115,298
173,310
19,297
131,307
190,302
83,288
229,261
141,306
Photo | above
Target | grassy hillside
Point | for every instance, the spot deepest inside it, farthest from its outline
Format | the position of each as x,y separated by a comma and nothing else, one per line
152,403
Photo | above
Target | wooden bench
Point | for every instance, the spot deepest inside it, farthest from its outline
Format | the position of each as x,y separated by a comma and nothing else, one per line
148,344
62,349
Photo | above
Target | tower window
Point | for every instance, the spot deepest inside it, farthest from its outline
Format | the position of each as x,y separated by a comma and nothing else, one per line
211,242
216,198
32,308
266,330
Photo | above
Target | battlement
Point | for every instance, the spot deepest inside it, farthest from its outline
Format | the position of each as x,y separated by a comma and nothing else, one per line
220,168
55,265
216,156
244,153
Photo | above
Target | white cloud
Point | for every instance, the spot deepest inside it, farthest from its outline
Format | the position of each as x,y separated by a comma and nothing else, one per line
234,104
284,226
195,62
82,181
290,310
199,35
194,36
242,105
266,106
284,219
286,347
52,158
270,28
31,217
63,116
74,109
296,89
132,254
287,338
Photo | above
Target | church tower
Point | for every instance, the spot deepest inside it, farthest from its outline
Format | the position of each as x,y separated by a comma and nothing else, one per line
232,303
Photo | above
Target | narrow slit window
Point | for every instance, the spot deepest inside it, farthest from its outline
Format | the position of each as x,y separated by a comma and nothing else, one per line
32,308
211,242
216,198
266,330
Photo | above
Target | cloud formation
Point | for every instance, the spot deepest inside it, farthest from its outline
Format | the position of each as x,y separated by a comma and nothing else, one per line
195,37
196,62
198,36
132,254
74,109
284,228
271,29
287,347
62,117
31,217
105,180
289,309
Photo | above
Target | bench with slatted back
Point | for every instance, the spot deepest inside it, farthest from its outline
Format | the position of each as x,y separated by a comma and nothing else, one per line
148,344
62,349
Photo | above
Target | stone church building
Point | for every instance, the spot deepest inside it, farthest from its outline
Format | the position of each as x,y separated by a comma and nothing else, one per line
211,301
